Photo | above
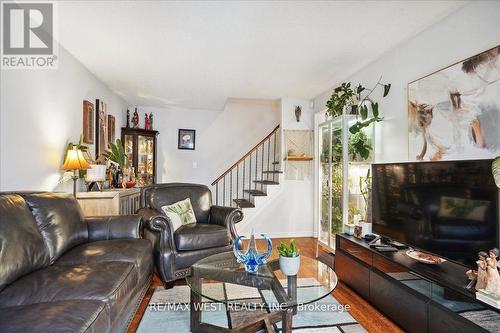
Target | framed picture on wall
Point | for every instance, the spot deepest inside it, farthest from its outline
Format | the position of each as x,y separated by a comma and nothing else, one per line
111,128
101,136
88,122
454,113
187,139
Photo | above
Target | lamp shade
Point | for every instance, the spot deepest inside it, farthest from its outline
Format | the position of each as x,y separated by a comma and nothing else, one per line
75,160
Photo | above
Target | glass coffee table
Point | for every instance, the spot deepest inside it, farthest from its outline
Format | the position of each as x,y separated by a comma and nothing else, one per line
279,295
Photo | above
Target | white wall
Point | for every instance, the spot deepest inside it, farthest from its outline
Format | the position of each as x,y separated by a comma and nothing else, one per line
289,212
222,138
466,32
40,112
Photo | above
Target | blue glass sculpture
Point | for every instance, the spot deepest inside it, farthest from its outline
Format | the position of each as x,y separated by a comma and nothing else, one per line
252,259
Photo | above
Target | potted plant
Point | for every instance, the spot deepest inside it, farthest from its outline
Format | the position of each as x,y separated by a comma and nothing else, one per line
116,154
365,184
289,258
359,103
495,169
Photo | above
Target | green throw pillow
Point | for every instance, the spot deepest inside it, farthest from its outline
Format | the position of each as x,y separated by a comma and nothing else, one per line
180,213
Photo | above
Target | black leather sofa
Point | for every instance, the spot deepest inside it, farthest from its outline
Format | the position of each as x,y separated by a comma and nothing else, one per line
60,272
175,252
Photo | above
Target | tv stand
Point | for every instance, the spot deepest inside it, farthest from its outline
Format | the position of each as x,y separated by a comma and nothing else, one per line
418,297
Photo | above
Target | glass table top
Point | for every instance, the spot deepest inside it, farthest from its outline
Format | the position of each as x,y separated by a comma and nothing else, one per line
221,278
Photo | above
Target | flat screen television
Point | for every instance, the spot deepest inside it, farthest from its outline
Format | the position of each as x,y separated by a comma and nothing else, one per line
447,208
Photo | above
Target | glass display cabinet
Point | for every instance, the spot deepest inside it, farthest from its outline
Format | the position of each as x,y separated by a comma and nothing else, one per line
140,151
343,176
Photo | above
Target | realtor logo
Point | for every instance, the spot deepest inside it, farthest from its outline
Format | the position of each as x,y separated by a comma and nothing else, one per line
28,35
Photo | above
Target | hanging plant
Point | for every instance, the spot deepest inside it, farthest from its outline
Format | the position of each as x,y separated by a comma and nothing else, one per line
361,104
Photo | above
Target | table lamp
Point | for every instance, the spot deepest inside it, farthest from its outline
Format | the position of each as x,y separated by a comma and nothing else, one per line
74,162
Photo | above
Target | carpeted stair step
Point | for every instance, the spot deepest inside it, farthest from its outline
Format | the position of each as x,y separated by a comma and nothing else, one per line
243,203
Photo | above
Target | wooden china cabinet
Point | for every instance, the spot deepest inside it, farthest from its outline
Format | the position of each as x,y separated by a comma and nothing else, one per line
140,149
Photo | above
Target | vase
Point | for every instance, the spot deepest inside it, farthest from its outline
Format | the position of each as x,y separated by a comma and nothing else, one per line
251,259
289,265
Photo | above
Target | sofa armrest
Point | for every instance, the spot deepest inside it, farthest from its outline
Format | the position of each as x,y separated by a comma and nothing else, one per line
160,225
226,217
159,231
113,227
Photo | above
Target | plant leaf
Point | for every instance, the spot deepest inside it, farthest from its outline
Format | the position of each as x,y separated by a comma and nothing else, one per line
495,168
363,111
387,88
375,109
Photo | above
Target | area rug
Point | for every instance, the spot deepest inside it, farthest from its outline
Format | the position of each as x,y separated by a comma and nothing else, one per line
168,310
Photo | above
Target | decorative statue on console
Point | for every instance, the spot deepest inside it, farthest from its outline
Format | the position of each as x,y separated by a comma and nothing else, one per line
128,118
486,280
151,121
135,119
493,278
147,125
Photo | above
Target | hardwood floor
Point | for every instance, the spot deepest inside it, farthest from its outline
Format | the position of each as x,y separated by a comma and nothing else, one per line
369,317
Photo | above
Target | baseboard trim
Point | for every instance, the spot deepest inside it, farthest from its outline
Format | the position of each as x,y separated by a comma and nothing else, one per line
287,234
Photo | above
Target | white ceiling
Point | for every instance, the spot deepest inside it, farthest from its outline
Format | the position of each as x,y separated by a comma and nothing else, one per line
198,54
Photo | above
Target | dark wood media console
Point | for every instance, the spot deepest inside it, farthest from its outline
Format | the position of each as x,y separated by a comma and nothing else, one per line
416,296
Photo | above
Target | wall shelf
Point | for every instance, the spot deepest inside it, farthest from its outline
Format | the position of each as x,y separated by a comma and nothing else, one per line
299,158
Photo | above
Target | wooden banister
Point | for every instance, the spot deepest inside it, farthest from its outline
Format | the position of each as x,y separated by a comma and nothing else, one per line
246,155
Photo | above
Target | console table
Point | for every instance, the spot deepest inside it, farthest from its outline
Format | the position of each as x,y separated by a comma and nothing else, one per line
110,202
416,296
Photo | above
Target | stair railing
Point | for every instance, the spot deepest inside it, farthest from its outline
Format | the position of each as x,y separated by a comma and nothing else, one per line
243,180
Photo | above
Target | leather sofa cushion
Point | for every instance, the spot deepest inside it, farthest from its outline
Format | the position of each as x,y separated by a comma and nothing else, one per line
186,259
22,249
135,251
59,219
110,282
56,317
198,236
167,194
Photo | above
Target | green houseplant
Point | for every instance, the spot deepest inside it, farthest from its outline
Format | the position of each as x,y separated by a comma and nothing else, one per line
116,153
495,169
360,102
289,258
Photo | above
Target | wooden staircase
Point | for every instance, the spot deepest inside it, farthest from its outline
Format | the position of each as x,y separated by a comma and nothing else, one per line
251,175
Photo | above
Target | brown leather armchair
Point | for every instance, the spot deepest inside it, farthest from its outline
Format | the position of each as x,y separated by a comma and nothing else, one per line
175,251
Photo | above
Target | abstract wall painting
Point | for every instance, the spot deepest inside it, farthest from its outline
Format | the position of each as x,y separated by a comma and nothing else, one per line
454,113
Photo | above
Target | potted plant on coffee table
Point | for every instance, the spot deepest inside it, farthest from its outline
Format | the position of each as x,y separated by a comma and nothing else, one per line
289,258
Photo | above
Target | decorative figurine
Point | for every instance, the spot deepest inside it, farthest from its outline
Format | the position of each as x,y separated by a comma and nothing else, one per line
493,278
151,121
146,122
252,259
128,118
482,277
135,119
